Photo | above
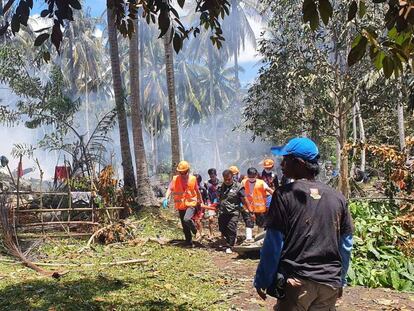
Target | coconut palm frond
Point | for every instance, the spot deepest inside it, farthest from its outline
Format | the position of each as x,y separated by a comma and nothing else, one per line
10,242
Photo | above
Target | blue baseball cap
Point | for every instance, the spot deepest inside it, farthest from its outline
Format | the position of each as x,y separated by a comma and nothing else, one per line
300,147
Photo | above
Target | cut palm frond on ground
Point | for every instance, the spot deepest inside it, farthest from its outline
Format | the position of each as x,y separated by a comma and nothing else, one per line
10,242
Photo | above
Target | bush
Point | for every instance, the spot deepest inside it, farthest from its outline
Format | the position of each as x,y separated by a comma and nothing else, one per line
378,259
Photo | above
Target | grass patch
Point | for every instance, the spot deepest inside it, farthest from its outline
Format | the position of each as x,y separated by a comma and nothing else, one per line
173,278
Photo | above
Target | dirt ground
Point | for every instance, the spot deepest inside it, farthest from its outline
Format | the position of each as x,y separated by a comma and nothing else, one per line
355,298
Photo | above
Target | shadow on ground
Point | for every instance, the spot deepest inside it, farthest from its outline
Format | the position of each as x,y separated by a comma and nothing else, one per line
85,294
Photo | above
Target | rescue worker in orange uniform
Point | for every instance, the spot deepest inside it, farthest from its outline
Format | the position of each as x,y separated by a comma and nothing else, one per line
268,176
256,193
236,173
186,195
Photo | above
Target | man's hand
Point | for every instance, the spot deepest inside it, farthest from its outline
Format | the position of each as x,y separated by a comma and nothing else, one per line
252,216
165,203
261,293
294,282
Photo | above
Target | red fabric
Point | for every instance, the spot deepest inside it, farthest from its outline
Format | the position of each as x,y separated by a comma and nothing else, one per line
199,213
61,173
20,169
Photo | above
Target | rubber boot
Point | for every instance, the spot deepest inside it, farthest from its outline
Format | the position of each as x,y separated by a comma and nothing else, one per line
249,235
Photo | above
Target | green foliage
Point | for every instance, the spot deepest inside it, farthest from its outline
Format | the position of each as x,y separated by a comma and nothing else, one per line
160,12
377,260
174,278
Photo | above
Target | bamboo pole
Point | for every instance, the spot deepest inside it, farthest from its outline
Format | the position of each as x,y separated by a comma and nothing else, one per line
73,222
79,209
69,191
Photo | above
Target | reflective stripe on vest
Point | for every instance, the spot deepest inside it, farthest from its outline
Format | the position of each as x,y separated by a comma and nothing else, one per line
187,197
257,198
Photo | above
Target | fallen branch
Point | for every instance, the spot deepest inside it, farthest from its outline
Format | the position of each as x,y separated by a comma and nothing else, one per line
95,234
59,264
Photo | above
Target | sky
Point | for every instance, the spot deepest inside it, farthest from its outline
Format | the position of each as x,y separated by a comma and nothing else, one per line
248,58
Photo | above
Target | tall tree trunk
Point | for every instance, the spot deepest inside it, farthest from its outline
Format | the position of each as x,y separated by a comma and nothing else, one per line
155,145
144,191
343,182
141,59
72,78
213,105
128,169
354,138
2,22
169,67
361,137
401,129
337,147
152,135
87,108
235,17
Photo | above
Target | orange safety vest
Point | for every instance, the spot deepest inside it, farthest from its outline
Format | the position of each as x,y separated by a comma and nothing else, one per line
184,198
257,197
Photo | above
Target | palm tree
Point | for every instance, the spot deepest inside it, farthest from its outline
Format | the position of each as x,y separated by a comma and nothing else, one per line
128,171
169,69
144,191
85,61
217,89
237,29
154,92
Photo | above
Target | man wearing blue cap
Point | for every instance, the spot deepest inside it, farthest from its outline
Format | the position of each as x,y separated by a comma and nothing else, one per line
306,251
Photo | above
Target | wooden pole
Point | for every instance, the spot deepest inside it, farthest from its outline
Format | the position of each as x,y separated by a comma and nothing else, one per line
69,191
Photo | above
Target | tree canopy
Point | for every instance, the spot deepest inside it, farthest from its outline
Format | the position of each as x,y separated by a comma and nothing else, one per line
389,42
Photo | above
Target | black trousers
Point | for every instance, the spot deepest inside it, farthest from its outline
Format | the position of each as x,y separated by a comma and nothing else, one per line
228,227
247,218
187,223
260,219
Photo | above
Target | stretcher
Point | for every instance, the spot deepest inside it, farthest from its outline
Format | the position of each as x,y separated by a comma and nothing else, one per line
255,246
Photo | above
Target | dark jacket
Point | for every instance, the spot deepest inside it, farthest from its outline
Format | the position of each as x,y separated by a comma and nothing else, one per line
230,198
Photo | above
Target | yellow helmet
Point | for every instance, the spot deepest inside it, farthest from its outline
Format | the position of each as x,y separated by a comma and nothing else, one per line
234,169
268,163
183,166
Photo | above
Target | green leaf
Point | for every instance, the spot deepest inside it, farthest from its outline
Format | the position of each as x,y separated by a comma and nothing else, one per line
163,23
372,249
392,33
387,66
15,24
378,60
362,9
353,8
408,276
41,38
310,13
75,4
181,3
395,280
46,56
325,10
177,43
358,51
